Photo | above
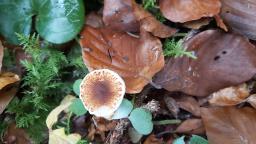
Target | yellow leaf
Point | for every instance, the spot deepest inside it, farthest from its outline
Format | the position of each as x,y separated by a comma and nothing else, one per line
58,136
8,78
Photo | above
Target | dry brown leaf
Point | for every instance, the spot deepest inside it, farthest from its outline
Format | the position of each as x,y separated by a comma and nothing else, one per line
197,24
172,105
94,19
135,59
1,55
151,139
252,100
16,135
230,96
8,78
6,97
150,24
189,104
229,125
240,16
188,10
191,126
118,14
220,22
223,60
127,15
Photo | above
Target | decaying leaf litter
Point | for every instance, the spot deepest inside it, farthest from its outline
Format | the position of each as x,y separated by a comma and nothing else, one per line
187,68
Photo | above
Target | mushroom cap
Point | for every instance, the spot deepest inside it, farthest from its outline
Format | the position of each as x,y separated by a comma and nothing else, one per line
102,92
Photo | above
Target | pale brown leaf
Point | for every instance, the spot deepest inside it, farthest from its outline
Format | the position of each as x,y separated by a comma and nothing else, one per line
191,126
188,10
229,125
252,100
8,78
135,59
230,96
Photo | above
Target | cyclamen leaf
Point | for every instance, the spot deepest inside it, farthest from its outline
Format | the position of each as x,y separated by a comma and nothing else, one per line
76,86
124,110
195,139
60,21
56,21
141,120
77,107
16,16
179,140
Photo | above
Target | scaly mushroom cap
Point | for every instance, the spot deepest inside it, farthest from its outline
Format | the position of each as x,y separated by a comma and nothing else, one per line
102,92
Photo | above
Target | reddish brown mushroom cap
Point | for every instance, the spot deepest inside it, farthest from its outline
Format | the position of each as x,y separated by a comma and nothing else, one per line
102,92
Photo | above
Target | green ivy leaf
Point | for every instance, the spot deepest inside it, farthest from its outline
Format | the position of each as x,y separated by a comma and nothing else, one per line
16,16
76,86
195,139
56,21
179,140
141,120
60,21
124,110
77,107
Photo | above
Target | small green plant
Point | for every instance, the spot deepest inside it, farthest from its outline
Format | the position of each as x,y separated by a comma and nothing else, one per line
175,49
148,4
42,86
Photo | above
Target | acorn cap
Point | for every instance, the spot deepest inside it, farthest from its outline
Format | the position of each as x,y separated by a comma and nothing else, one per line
102,92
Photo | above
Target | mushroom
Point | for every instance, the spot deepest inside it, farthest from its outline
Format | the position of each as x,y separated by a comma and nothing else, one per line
102,92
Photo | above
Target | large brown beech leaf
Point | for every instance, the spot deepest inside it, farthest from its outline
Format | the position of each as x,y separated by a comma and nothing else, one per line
135,59
223,60
118,14
230,125
127,15
188,10
240,15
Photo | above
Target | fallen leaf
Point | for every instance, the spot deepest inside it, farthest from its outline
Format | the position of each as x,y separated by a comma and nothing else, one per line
191,126
252,100
150,24
8,78
127,15
94,19
223,60
6,97
197,24
16,135
58,136
136,60
229,125
118,15
220,22
189,104
188,10
151,139
52,118
230,96
1,55
172,105
240,16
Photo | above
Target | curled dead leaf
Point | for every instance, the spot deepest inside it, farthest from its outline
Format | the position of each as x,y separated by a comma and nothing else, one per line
135,59
188,10
229,125
240,16
191,126
230,96
8,78
189,104
197,24
5,97
223,60
252,100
